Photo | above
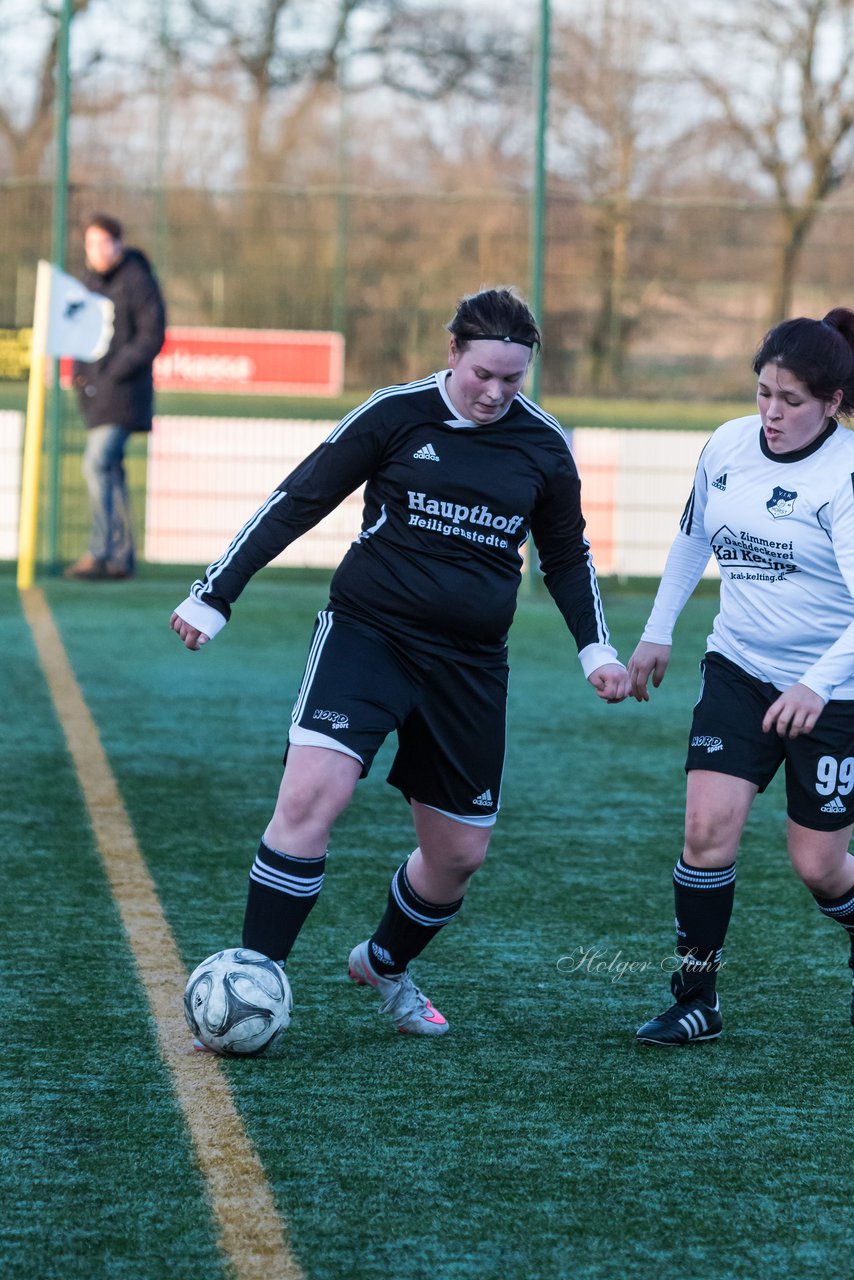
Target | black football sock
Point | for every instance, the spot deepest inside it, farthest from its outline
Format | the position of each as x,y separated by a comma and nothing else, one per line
282,891
704,901
407,926
841,909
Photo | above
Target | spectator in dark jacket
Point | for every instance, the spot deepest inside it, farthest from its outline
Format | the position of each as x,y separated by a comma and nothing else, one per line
116,393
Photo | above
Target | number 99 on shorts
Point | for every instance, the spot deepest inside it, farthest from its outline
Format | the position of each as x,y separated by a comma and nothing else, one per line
835,775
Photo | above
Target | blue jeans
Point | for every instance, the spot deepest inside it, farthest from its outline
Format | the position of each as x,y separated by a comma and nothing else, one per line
111,538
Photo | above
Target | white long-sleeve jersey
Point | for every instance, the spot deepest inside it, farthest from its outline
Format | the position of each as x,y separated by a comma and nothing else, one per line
781,527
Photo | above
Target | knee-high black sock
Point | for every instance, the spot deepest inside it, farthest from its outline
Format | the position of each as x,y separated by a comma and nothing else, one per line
407,925
704,901
841,909
282,891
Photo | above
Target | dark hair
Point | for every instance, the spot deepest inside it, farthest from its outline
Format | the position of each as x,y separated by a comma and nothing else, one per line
106,222
820,353
498,313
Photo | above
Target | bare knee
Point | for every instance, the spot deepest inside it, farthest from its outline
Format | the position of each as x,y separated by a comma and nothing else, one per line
826,879
821,859
818,881
308,800
448,855
708,842
315,790
463,861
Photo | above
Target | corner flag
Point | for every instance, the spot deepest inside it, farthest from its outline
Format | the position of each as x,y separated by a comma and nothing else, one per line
80,323
68,320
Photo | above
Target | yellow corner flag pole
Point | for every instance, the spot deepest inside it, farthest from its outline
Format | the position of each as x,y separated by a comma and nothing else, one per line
33,432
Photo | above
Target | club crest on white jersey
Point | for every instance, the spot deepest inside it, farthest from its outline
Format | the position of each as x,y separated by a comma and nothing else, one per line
781,503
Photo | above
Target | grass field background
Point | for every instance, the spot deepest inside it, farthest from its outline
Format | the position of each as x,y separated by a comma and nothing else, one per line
537,1140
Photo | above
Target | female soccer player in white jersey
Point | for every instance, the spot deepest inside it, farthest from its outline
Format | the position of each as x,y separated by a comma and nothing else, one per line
459,468
773,500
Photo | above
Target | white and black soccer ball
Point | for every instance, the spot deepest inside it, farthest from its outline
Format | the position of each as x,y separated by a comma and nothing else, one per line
237,1001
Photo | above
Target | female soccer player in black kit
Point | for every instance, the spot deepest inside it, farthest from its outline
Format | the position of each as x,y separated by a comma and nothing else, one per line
459,469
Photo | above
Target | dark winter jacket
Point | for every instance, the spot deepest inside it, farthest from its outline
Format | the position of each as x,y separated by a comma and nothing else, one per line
118,389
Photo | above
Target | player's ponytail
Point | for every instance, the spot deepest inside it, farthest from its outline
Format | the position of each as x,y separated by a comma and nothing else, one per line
820,353
842,319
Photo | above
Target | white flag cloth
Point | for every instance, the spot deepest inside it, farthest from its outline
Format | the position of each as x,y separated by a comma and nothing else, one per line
80,323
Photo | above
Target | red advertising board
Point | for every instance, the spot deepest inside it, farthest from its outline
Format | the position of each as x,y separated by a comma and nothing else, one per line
266,362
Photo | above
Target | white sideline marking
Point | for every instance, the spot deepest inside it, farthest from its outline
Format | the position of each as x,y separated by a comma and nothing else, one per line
252,1234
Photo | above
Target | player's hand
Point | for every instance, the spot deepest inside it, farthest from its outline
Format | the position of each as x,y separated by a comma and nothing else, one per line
192,638
611,682
647,660
795,712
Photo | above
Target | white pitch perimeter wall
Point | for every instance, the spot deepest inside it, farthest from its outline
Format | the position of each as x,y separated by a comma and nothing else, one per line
207,476
11,447
634,486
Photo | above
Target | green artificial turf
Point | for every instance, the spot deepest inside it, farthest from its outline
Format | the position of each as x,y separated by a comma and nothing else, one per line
96,1177
537,1140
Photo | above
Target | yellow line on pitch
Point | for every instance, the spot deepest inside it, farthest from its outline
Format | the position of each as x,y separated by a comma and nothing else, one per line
251,1232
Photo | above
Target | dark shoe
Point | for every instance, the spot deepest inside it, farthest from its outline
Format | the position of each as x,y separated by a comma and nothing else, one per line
851,967
88,568
115,573
683,1023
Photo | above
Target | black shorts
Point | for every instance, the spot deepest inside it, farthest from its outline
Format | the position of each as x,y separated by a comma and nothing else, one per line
449,714
727,737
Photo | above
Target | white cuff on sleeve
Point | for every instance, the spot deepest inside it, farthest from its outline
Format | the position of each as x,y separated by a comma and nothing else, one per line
815,685
201,616
594,656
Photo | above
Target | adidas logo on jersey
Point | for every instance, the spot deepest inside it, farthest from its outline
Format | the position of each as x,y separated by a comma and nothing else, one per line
720,483
833,806
427,454
485,799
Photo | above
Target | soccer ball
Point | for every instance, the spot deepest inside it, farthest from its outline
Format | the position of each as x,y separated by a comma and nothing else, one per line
236,1002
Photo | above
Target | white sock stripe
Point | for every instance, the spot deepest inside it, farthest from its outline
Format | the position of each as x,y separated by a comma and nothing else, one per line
701,873
841,909
428,921
294,886
696,878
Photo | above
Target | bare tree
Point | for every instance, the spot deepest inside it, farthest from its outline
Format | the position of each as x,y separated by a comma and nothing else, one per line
267,52
614,133
288,54
27,119
427,52
779,75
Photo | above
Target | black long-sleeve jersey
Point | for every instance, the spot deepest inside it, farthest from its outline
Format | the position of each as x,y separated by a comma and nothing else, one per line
448,506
